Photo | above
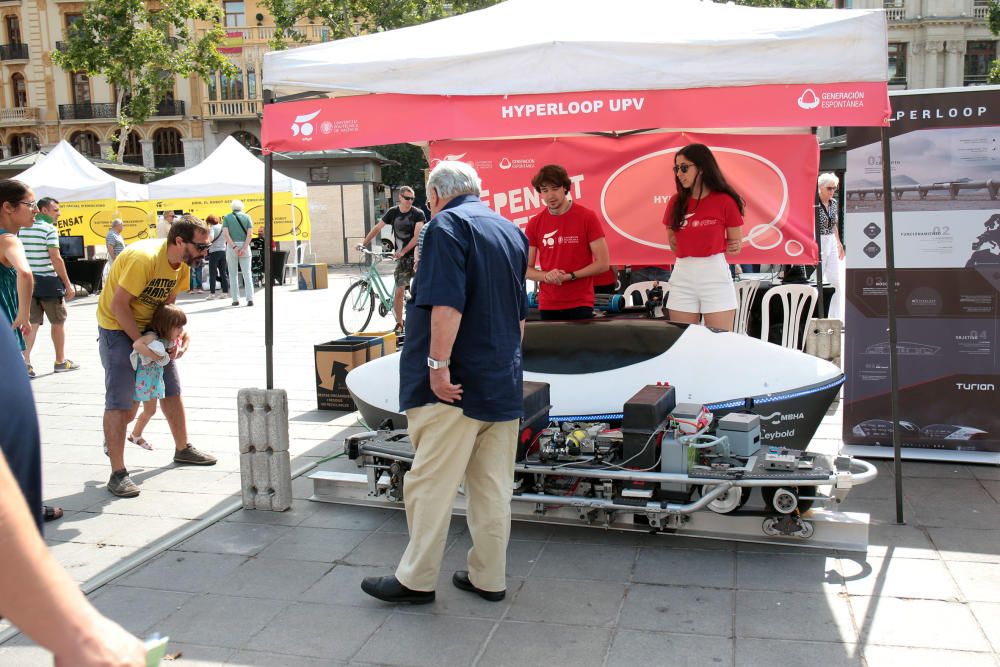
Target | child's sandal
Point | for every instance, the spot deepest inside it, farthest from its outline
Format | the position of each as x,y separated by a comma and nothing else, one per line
141,442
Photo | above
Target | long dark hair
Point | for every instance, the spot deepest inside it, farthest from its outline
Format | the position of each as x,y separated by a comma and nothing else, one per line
166,317
12,190
711,178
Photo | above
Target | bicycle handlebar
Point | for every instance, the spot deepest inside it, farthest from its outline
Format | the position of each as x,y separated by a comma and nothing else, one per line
380,255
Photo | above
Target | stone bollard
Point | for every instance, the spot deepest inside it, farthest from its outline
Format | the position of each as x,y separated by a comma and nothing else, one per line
265,469
823,339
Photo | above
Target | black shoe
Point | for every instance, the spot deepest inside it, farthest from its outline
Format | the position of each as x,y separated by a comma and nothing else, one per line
250,302
390,590
461,580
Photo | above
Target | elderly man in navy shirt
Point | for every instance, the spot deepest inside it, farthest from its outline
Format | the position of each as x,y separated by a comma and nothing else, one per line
460,385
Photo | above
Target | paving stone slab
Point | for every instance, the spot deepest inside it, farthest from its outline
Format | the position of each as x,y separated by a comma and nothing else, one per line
679,609
138,610
385,549
604,563
185,571
222,621
568,602
900,541
451,601
979,582
318,631
709,568
988,615
262,659
521,556
899,577
794,616
917,624
171,504
294,516
540,643
327,515
197,656
271,578
403,640
771,652
634,647
894,656
245,539
342,586
801,572
325,545
25,656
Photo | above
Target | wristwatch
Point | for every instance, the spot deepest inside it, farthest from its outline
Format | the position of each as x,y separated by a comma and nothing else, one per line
437,364
572,275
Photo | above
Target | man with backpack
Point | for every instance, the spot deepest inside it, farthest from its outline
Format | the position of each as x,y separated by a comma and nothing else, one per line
237,228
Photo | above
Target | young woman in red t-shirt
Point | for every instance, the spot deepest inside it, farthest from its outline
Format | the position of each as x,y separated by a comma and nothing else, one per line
704,222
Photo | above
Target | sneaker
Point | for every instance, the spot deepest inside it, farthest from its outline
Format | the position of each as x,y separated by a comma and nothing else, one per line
235,302
121,485
67,365
250,302
209,297
192,456
31,371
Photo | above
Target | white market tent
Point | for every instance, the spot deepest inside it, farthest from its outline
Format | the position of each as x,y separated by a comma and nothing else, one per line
69,177
548,46
230,170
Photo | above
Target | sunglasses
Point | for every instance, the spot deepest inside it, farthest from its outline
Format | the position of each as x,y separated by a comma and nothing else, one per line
406,198
200,246
682,168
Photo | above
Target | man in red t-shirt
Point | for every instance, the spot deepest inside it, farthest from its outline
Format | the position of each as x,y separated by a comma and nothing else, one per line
567,243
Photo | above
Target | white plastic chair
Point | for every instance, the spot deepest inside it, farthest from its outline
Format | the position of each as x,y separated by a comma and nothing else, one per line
746,290
640,290
798,302
292,268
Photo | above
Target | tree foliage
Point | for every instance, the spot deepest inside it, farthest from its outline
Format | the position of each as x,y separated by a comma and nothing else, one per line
409,171
993,20
789,4
349,18
141,52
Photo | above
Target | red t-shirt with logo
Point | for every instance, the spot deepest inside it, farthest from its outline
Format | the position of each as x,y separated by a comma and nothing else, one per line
703,234
563,242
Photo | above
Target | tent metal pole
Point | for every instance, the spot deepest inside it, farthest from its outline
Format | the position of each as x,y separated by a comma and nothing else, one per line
268,283
890,266
821,302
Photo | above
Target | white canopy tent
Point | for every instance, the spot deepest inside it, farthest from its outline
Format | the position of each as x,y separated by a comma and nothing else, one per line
550,46
230,170
66,175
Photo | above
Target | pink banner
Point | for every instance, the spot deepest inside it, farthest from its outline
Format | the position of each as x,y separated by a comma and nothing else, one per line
366,120
628,181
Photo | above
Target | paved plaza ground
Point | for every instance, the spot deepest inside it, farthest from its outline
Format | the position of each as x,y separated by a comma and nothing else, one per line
262,588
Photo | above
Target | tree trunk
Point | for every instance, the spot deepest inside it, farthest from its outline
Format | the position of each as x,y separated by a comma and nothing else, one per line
123,130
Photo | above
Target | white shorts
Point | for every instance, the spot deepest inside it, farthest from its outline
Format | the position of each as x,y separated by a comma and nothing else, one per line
701,285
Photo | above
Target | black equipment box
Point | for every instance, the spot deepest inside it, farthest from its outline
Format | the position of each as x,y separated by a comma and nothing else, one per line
535,417
641,416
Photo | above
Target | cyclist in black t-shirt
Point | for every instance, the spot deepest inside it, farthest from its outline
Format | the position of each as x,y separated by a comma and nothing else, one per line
406,221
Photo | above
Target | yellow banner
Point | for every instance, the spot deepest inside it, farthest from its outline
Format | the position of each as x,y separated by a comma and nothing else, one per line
285,207
92,220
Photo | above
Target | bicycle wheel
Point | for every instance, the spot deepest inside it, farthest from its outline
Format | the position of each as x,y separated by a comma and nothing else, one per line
357,307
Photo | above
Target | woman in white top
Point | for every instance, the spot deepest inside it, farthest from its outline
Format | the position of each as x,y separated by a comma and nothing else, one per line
831,249
217,266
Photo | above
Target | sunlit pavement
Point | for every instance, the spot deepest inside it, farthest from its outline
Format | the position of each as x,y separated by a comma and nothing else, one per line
262,588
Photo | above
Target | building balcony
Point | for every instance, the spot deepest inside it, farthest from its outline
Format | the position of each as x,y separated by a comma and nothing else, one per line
222,109
19,116
980,11
895,13
976,80
14,51
100,111
161,161
170,109
264,34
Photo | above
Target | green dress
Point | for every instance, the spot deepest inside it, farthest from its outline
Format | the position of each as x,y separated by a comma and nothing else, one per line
8,295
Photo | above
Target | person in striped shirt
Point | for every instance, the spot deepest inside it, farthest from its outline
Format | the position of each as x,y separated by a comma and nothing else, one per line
41,245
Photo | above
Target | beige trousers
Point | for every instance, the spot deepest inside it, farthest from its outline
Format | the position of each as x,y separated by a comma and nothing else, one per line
450,447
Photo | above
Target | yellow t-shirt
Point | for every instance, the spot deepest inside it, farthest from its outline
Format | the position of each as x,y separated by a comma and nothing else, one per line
143,270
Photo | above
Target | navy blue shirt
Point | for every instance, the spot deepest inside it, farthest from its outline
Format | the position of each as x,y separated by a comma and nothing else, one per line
19,435
473,260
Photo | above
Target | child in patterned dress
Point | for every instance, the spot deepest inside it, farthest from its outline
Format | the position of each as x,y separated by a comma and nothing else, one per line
150,354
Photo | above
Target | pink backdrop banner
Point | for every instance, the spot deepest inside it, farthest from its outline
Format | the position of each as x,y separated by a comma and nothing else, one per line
367,120
628,182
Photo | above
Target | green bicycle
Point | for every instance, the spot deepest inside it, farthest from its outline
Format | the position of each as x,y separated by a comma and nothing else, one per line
358,306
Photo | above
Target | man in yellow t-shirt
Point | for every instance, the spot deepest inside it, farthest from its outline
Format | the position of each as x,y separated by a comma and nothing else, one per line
145,275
